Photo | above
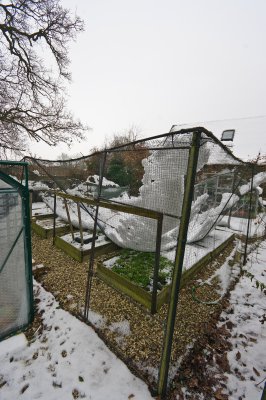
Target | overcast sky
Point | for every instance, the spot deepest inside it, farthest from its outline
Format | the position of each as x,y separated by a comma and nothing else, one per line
155,63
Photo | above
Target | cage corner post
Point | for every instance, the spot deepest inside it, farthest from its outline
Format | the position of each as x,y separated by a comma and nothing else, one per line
54,217
249,216
156,264
178,265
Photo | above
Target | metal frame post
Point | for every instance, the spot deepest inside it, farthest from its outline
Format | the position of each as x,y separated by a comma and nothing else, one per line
30,197
178,265
23,192
263,396
54,218
249,215
233,189
156,264
27,230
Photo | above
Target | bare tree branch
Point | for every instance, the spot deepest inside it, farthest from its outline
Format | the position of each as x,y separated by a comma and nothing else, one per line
31,96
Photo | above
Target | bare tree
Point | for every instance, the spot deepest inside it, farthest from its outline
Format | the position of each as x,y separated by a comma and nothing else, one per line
31,93
126,136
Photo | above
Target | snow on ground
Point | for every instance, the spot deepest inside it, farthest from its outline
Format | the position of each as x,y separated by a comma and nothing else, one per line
40,208
96,180
49,223
239,225
245,317
196,251
247,311
37,185
67,360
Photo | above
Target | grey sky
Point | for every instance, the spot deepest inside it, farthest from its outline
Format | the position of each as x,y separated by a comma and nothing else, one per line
157,63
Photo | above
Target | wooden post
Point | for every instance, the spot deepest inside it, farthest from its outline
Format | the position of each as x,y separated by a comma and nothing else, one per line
80,225
91,263
69,220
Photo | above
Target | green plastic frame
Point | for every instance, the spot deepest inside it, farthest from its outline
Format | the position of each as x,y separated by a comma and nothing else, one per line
23,191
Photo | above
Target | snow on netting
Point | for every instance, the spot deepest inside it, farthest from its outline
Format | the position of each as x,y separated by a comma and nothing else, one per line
149,174
14,291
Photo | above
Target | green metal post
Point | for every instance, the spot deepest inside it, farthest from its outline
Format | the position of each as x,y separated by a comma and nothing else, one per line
249,216
156,264
263,396
54,218
179,258
27,226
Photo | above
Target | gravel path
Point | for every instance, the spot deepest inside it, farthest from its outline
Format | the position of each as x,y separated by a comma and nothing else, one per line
127,328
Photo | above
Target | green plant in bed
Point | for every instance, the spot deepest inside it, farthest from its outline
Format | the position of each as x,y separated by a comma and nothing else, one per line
138,268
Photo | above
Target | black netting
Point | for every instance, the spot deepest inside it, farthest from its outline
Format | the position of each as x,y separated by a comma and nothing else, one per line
125,206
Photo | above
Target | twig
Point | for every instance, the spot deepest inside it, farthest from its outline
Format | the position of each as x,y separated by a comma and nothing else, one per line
257,384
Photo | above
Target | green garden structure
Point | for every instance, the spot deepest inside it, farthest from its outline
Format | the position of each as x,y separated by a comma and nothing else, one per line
16,293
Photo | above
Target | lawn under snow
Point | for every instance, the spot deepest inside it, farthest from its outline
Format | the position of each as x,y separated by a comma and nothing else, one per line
67,360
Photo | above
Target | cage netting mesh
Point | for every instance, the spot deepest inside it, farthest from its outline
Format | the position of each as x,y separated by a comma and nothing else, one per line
150,175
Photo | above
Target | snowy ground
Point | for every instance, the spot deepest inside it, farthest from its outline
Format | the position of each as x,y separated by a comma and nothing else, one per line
247,312
67,360
245,319
240,225
40,208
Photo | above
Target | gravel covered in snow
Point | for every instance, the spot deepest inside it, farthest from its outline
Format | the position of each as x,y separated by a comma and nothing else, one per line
247,312
67,360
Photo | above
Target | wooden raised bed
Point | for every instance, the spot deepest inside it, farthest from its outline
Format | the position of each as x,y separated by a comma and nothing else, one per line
144,297
42,216
187,275
82,253
129,288
44,227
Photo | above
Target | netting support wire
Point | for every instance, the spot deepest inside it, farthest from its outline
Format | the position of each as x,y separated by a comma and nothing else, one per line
156,264
249,215
54,217
92,253
178,265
